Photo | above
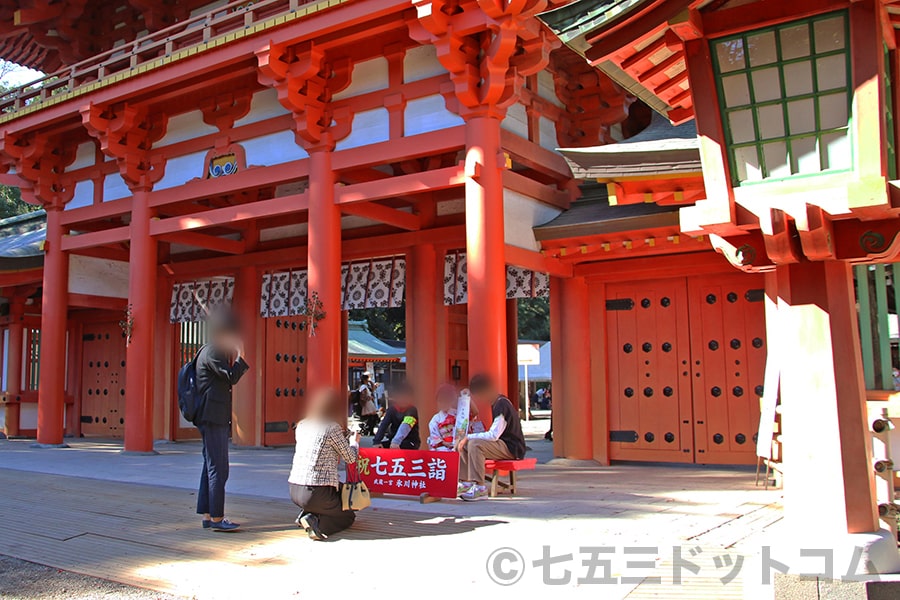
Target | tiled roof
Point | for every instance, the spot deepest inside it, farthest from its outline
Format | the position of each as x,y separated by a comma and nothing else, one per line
592,215
661,148
21,239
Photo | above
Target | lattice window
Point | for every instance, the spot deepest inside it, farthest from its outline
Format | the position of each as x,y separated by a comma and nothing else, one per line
785,98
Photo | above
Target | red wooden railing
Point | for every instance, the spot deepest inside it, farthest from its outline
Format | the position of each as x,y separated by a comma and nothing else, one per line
192,32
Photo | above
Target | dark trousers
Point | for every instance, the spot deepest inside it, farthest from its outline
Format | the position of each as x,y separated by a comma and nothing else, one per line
324,501
211,496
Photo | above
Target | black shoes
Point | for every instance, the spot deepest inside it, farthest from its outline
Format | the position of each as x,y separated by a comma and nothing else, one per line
310,523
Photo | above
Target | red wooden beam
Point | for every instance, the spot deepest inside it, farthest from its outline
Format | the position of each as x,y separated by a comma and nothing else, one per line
101,302
96,212
392,151
534,189
365,247
402,185
383,214
24,277
231,214
209,242
535,261
764,14
535,157
95,238
631,28
247,179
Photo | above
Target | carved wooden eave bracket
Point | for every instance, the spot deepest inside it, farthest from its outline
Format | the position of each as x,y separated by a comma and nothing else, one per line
40,161
487,46
127,134
306,81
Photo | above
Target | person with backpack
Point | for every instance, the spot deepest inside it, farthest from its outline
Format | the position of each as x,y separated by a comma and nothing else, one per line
219,366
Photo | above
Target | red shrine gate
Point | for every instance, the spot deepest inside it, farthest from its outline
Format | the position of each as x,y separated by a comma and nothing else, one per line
686,364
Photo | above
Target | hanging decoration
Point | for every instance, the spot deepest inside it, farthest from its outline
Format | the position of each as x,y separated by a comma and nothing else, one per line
520,282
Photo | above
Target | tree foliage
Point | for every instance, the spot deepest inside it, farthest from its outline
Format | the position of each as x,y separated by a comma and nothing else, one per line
390,323
534,319
11,203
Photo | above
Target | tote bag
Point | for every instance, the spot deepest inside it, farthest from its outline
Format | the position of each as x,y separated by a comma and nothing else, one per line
354,492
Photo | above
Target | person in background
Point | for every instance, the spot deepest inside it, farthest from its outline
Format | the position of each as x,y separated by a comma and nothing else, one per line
442,427
220,365
366,389
400,426
313,482
504,440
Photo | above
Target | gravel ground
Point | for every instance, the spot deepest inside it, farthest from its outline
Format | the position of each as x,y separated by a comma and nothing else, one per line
21,580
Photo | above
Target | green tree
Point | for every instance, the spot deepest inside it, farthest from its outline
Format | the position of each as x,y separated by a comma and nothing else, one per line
384,323
534,318
11,203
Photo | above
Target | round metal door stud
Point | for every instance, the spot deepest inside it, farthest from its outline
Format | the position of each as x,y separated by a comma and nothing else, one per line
665,302
648,391
669,437
759,390
732,297
277,392
667,347
711,299
645,303
649,437
740,438
716,391
627,348
278,357
757,342
713,345
629,392
738,391
735,344
647,347
668,391
718,438
278,323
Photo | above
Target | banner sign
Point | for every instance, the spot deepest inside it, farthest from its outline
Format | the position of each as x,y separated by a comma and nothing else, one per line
409,472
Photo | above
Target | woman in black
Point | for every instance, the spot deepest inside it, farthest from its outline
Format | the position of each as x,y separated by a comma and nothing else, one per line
400,426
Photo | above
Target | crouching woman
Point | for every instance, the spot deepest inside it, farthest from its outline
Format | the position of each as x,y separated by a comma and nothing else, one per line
315,487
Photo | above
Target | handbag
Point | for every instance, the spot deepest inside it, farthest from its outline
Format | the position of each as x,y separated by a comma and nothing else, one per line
354,492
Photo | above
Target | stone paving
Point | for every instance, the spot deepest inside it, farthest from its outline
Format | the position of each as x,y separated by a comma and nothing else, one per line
92,510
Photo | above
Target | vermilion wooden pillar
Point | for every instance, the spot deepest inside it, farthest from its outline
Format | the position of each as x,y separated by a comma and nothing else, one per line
324,251
247,404
571,366
512,355
423,302
486,262
54,315
14,365
827,447
139,364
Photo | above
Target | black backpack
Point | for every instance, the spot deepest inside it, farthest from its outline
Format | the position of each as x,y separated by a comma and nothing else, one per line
190,401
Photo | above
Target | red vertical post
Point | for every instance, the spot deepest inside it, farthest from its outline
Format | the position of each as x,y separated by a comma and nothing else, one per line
422,305
54,316
345,351
512,355
576,348
823,401
247,408
139,371
14,365
324,248
485,251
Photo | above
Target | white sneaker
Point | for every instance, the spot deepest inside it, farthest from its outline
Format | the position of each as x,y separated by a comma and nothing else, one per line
476,492
463,486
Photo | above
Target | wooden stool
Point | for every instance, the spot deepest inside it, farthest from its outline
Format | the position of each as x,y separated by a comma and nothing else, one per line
499,468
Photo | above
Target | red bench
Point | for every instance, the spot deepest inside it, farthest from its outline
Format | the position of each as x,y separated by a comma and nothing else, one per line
499,468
